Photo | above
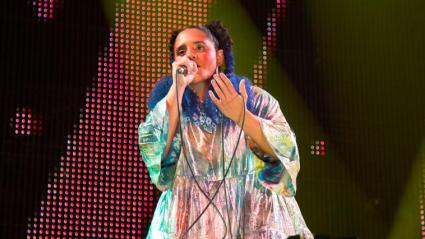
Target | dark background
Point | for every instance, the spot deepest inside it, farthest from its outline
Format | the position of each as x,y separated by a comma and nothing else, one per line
46,66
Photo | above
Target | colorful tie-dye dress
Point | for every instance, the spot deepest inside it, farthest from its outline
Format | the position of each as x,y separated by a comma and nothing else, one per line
256,199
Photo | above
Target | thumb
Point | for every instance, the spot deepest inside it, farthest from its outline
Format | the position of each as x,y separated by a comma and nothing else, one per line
242,89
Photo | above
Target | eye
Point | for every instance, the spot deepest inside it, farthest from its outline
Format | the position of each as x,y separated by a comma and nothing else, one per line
180,52
200,47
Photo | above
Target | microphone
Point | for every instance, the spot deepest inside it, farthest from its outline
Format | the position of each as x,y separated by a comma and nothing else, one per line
182,70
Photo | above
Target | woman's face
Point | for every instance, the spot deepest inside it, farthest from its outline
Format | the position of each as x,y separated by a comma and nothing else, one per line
196,46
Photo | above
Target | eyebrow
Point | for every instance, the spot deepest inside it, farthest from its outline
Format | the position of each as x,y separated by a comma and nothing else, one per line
184,46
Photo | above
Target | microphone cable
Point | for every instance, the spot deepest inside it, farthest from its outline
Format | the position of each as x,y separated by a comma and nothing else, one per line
210,200
190,168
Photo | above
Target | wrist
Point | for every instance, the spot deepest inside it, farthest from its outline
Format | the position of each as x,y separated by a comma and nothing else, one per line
242,117
171,97
180,88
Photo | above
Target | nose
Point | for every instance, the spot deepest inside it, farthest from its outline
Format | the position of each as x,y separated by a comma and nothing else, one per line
191,55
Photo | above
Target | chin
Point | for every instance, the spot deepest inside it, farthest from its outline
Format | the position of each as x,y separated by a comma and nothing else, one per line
202,78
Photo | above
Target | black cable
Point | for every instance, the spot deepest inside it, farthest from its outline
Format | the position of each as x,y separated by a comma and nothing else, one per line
225,175
191,171
224,178
210,201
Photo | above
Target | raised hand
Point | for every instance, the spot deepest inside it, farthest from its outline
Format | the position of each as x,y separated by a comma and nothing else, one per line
229,101
184,80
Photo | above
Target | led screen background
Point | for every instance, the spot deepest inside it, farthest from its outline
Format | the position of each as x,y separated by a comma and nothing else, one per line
77,76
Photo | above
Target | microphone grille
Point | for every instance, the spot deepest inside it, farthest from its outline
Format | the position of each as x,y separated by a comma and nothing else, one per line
182,70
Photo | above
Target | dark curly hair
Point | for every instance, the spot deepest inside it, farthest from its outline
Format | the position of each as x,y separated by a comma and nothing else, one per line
218,34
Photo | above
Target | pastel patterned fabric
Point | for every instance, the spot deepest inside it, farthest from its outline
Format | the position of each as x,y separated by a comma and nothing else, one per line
256,199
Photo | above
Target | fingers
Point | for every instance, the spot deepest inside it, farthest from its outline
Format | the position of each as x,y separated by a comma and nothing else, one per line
222,85
188,63
214,99
218,90
192,68
231,105
227,83
242,89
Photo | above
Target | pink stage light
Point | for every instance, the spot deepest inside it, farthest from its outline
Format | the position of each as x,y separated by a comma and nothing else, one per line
101,188
25,122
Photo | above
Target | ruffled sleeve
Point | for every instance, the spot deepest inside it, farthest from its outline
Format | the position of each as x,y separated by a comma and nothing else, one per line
277,175
153,135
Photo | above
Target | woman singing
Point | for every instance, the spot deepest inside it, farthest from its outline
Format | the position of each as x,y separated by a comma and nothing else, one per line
218,148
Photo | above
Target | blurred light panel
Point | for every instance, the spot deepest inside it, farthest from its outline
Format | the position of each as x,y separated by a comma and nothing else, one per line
25,122
45,9
101,189
318,148
269,42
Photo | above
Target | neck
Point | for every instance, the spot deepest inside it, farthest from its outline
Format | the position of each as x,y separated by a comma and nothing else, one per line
200,89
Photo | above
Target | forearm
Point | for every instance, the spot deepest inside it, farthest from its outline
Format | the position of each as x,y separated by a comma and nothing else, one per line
173,117
252,128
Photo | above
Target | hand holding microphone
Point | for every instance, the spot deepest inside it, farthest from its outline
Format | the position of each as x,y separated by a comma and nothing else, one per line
184,71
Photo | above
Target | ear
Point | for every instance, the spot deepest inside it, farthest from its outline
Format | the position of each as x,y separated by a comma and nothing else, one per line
220,57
